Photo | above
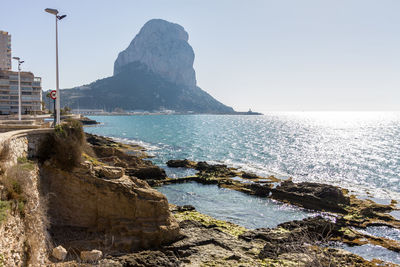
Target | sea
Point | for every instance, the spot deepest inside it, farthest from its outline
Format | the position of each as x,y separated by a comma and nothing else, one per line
359,151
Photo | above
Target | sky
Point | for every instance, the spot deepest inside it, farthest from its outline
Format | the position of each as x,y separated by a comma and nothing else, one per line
265,55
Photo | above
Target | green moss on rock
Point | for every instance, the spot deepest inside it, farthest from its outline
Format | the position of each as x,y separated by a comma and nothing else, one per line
206,220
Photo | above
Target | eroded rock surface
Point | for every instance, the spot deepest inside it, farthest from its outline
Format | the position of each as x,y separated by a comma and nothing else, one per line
59,253
312,195
181,163
206,241
130,157
113,214
148,173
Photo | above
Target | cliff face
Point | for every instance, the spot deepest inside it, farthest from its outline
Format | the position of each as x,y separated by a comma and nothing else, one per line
23,221
154,73
99,205
123,214
92,206
163,47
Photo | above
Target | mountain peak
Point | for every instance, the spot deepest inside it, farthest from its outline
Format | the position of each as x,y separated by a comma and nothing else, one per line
173,30
154,73
163,47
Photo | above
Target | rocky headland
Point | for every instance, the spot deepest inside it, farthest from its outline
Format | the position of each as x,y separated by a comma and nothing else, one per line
103,211
154,73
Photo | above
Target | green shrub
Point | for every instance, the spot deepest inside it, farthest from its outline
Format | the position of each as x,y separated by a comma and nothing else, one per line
4,207
64,145
16,182
15,193
5,151
16,187
4,155
2,260
21,207
26,164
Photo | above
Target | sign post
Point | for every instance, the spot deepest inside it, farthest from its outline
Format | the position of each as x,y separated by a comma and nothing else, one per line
53,95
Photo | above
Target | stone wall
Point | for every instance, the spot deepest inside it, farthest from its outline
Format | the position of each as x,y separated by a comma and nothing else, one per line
22,143
22,235
12,231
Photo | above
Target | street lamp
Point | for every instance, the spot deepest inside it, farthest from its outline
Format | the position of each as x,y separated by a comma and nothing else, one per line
55,13
19,86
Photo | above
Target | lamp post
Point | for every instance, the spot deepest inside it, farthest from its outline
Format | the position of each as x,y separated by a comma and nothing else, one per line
19,86
55,13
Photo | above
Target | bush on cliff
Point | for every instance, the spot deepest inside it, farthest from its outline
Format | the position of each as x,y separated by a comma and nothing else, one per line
4,206
16,185
12,194
4,155
64,146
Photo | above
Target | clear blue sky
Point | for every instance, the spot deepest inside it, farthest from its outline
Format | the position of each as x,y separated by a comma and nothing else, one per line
259,54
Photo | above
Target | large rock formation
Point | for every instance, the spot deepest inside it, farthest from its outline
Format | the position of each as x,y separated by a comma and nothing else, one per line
88,212
154,73
95,205
163,47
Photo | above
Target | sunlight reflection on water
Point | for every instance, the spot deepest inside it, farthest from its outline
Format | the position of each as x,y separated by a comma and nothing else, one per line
356,150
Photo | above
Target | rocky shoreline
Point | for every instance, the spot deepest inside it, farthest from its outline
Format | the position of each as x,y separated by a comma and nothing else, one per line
86,121
99,206
349,211
205,241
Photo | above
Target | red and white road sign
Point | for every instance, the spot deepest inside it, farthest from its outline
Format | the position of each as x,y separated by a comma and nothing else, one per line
53,94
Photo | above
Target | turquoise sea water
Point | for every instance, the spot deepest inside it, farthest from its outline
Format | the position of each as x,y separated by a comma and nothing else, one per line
356,150
229,205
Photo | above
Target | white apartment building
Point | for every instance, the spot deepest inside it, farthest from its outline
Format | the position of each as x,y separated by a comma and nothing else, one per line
5,51
31,93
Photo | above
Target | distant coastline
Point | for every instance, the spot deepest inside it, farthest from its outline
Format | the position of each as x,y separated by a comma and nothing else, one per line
105,113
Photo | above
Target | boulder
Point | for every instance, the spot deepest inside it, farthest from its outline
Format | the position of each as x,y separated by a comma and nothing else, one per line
291,237
185,208
148,258
110,153
87,121
109,172
91,256
179,163
114,161
203,166
148,173
262,190
212,168
313,227
60,253
312,196
98,140
250,175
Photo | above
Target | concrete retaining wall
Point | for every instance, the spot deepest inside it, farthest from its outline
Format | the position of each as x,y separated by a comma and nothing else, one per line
22,143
